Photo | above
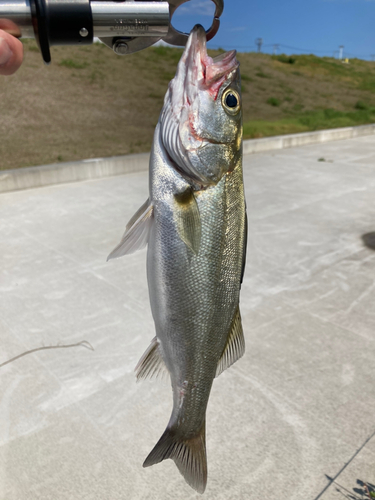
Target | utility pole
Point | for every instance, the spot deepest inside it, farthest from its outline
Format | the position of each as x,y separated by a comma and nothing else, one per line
259,42
275,48
341,52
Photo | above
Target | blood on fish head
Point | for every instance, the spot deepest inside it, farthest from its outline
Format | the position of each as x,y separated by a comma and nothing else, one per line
201,121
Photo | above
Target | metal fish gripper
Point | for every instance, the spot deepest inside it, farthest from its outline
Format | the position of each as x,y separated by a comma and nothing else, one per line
125,26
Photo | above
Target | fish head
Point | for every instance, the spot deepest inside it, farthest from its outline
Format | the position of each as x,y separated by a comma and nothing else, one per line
201,121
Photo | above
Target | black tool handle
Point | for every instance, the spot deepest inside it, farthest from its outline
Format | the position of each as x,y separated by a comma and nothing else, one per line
61,22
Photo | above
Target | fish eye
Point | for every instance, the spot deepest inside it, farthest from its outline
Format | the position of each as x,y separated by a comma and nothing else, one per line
231,101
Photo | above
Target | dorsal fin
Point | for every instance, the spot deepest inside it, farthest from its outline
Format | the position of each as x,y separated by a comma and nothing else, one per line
151,363
235,346
136,233
188,219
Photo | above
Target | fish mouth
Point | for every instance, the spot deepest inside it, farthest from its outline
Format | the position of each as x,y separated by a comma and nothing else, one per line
209,73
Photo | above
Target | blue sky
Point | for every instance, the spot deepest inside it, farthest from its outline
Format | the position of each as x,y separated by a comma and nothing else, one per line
316,26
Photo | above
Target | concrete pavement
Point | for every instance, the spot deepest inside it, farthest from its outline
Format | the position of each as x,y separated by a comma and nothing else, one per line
294,419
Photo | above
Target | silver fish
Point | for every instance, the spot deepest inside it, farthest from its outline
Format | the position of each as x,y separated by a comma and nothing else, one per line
195,225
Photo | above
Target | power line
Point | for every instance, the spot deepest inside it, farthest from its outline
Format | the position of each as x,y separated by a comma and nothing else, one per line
359,56
305,50
276,46
228,47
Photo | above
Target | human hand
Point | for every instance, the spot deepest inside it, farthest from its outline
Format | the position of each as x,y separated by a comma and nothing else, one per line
11,53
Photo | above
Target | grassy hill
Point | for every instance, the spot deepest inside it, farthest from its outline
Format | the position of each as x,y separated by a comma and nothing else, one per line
91,103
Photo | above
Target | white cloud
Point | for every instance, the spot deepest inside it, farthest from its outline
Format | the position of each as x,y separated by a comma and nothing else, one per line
194,7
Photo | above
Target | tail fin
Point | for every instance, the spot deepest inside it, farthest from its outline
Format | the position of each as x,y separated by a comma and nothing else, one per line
188,454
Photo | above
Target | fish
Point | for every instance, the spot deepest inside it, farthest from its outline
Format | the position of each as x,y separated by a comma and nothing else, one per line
194,223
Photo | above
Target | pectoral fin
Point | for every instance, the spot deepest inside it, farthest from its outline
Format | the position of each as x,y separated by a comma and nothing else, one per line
188,219
151,363
136,233
235,346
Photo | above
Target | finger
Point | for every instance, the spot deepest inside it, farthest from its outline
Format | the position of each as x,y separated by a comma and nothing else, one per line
11,53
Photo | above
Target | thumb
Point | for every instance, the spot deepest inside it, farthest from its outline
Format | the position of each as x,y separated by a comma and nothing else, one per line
11,53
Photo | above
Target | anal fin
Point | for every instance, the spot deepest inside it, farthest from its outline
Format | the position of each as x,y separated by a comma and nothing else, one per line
235,346
151,363
136,233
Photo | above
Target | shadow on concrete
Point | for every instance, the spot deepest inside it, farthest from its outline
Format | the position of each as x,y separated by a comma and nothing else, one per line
369,240
341,489
364,491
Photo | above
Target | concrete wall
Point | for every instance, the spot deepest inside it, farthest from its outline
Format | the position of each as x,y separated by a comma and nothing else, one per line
293,140
32,177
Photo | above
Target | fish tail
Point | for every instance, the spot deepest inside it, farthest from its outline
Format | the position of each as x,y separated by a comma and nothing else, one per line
189,454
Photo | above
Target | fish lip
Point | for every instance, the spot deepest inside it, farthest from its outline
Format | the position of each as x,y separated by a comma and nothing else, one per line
212,69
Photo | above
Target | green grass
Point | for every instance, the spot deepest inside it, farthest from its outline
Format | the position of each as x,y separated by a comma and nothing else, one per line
246,78
160,53
165,76
69,63
327,65
368,84
298,107
285,59
308,121
273,101
261,74
361,105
